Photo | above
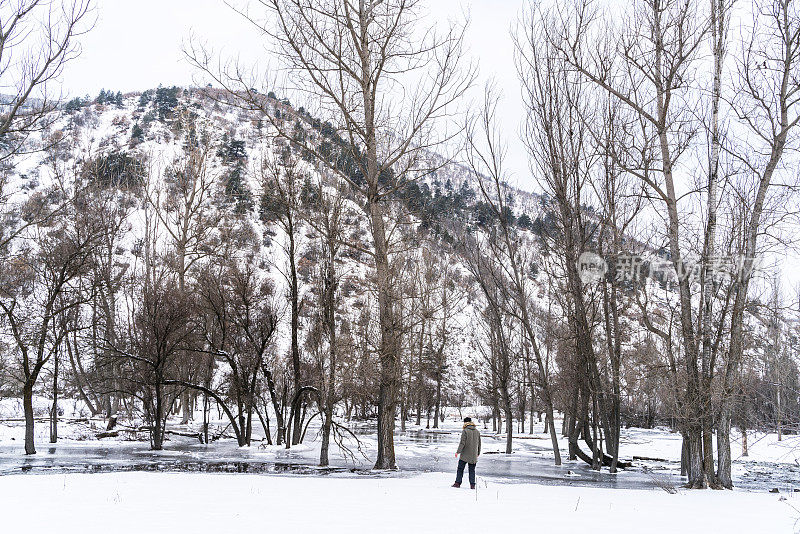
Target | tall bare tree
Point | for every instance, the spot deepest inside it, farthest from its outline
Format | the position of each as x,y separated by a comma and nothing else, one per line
327,211
508,257
40,283
767,94
183,204
282,180
648,66
384,82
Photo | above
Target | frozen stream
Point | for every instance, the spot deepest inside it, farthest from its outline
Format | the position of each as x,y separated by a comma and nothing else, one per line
417,451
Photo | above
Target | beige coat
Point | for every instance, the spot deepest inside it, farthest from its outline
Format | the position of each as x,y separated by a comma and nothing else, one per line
470,445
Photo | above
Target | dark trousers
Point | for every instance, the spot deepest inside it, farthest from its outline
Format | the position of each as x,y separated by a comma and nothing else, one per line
460,472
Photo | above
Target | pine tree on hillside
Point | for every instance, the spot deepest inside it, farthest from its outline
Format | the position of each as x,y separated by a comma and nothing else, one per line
137,134
525,221
237,190
74,105
236,151
145,98
166,99
233,153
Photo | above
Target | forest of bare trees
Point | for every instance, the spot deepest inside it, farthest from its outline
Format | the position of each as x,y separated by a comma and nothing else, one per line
339,243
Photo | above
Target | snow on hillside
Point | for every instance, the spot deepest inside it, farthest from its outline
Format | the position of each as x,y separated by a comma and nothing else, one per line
154,127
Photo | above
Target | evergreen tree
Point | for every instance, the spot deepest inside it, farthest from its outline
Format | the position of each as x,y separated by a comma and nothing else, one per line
117,169
166,99
237,190
236,151
145,98
74,105
137,134
525,221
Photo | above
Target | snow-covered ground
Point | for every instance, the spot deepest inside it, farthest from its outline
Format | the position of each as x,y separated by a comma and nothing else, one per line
518,492
188,502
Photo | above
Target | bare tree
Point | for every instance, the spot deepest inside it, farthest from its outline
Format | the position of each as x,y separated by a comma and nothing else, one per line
509,259
183,205
149,347
383,82
237,323
327,210
37,39
652,79
766,103
282,181
40,283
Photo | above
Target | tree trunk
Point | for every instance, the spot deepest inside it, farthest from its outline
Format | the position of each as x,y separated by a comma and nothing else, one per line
403,412
531,414
159,417
27,403
684,456
281,428
54,408
264,418
420,381
709,251
697,476
389,342
295,327
206,418
724,448
553,435
330,321
327,423
438,400
509,429
186,407
80,379
744,442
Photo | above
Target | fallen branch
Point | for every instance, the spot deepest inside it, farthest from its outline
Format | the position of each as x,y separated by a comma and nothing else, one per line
649,459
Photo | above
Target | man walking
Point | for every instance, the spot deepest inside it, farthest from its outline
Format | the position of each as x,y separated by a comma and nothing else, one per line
469,448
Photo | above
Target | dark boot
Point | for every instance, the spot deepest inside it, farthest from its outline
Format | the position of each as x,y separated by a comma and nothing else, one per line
456,485
472,486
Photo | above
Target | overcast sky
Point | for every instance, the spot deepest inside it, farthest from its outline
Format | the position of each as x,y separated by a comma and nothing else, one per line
137,45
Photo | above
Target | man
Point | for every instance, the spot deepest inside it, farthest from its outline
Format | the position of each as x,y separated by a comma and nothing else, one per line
469,448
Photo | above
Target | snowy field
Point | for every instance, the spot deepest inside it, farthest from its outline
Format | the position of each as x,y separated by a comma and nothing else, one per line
223,503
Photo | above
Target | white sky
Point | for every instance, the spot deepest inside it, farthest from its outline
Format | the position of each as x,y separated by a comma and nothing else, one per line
137,45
